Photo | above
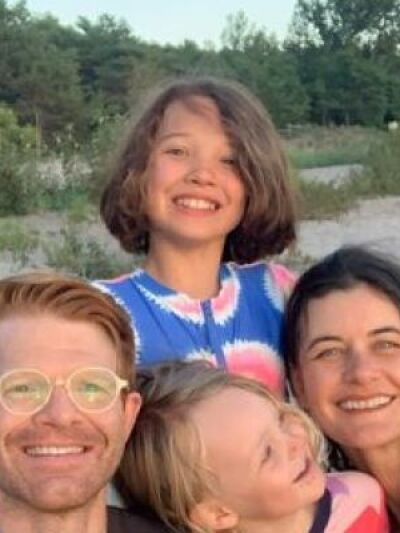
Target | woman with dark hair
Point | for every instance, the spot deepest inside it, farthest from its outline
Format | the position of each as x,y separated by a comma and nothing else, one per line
342,353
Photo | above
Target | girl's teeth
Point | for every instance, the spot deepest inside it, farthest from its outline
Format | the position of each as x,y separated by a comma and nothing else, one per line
196,203
54,450
372,403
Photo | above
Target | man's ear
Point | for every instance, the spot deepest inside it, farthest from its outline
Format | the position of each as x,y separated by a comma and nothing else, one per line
132,404
213,515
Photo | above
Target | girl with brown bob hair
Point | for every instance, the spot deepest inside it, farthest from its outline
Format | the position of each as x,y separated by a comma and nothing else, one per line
211,451
201,187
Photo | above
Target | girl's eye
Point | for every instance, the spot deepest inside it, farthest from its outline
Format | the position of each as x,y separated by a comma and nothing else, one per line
229,161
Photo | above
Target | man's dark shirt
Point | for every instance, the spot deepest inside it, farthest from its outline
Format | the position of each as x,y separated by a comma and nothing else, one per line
122,521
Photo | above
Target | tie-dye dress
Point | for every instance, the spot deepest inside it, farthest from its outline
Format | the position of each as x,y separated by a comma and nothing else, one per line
239,329
353,503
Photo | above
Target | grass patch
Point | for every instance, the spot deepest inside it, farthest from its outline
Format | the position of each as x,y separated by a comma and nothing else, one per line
326,158
316,146
381,177
382,172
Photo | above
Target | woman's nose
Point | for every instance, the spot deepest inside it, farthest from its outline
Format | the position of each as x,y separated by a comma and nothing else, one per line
361,366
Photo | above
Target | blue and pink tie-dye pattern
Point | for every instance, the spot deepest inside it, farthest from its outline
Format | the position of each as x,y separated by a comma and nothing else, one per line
357,504
239,329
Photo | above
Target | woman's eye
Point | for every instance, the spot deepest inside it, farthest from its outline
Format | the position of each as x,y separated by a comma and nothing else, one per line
328,353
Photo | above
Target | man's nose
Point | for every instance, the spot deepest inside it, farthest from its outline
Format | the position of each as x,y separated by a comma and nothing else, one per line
59,409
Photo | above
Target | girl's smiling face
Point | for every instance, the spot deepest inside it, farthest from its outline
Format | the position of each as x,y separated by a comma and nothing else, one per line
261,458
348,370
194,190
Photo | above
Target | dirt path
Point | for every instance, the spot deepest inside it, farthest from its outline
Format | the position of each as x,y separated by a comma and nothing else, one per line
375,223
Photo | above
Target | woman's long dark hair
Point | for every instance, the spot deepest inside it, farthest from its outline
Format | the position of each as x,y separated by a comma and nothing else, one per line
342,270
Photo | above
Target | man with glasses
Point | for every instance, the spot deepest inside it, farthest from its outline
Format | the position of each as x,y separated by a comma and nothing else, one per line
67,406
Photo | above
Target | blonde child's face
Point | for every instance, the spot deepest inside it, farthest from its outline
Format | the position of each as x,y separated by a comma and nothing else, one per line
194,191
263,461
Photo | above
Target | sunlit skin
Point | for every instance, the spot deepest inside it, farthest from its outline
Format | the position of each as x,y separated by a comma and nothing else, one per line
348,377
194,190
59,459
262,461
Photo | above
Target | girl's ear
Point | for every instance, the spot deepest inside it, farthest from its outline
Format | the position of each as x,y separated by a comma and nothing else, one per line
212,515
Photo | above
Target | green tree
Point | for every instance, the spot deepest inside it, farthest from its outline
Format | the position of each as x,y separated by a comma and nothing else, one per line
338,23
38,77
108,55
346,52
257,60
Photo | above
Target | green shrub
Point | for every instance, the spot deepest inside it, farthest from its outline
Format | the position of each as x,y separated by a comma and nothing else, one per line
322,200
14,238
83,256
18,165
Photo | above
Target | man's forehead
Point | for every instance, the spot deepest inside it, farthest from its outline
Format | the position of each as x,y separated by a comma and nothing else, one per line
41,339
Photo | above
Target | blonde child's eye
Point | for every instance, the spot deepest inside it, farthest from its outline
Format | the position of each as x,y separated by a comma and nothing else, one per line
266,454
176,151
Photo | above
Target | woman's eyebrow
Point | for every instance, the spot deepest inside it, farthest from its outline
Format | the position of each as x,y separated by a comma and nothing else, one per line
323,338
385,329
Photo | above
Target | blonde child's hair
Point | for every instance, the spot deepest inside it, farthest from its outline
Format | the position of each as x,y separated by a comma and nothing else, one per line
164,465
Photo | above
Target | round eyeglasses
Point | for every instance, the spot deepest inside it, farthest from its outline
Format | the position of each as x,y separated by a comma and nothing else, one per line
91,389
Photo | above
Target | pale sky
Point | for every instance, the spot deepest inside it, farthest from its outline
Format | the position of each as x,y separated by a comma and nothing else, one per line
171,21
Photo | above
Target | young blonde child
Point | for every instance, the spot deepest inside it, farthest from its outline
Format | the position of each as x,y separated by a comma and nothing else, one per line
201,188
212,451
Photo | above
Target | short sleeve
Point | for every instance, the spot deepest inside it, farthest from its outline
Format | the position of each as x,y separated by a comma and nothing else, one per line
358,504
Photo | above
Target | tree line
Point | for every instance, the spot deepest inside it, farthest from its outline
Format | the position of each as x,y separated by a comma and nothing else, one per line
339,64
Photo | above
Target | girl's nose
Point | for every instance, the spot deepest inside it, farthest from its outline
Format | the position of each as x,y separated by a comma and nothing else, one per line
201,172
201,176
